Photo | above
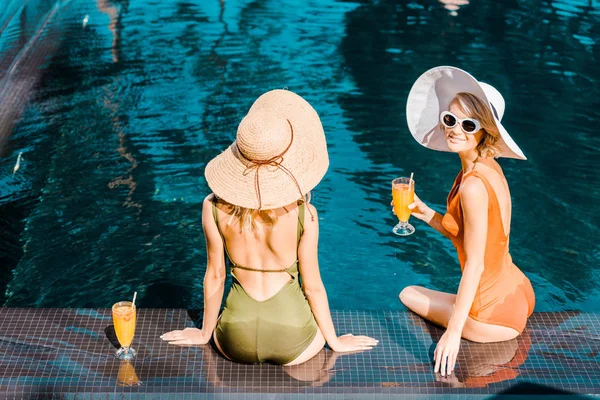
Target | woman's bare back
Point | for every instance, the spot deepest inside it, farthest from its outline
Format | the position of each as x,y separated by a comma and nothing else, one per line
271,247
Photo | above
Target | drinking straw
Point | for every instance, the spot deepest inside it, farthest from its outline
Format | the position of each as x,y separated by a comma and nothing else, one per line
411,179
133,302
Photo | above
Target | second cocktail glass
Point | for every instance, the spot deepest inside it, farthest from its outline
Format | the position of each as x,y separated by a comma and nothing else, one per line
124,318
403,194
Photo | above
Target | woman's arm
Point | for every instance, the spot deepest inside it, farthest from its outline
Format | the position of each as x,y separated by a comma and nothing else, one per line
216,273
423,212
474,201
436,223
314,289
214,284
312,284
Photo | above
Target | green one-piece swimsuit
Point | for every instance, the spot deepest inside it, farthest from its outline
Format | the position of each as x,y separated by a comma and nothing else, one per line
276,330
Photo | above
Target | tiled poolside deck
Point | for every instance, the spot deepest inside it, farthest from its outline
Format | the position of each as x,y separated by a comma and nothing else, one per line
68,353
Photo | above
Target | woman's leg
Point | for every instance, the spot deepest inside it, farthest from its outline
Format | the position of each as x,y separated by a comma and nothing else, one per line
438,307
312,350
217,345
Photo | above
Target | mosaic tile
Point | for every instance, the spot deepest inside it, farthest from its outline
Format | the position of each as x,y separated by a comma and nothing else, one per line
68,353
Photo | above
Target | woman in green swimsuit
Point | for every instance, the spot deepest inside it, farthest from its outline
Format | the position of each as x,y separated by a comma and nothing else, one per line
260,217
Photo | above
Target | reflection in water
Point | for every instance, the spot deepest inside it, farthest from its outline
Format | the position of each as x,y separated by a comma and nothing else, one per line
481,364
127,375
453,5
65,345
486,363
112,105
221,372
107,8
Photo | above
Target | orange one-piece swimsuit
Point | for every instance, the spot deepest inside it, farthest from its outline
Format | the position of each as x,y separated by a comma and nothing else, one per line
504,295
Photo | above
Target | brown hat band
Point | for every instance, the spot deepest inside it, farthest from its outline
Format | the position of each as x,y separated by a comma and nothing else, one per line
273,162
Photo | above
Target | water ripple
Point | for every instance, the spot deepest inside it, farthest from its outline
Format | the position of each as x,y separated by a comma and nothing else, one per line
119,128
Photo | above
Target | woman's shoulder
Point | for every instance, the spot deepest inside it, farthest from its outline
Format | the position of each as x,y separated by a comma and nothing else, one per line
311,217
210,198
473,192
207,204
312,208
472,187
490,168
483,181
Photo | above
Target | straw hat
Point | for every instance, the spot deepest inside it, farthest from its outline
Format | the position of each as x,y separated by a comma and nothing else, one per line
279,154
432,93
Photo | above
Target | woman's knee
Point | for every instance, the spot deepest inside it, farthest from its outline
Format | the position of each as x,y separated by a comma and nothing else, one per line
407,294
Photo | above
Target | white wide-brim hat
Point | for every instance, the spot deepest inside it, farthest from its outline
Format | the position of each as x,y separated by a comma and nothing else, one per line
432,93
279,154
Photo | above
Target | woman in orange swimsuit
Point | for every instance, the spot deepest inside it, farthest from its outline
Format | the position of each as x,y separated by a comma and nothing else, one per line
494,297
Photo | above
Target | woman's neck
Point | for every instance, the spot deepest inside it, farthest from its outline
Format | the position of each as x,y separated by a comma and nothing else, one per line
468,160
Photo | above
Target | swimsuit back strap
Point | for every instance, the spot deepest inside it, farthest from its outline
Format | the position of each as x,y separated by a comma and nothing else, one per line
261,270
293,269
300,221
216,217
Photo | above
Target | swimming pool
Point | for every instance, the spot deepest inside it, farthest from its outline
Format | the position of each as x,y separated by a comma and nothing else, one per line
139,95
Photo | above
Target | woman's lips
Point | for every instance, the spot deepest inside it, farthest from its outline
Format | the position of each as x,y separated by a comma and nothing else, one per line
455,140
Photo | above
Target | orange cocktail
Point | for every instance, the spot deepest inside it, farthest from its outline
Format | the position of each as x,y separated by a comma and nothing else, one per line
403,194
124,318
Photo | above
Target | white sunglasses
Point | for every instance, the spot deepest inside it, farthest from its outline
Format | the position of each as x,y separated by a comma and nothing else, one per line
468,125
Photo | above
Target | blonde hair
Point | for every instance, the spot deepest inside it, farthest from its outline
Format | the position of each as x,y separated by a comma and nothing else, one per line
470,105
247,218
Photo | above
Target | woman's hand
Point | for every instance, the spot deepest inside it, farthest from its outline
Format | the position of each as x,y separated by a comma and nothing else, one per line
420,210
349,342
188,336
446,351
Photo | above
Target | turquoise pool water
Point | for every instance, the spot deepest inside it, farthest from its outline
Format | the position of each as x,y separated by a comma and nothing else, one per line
136,96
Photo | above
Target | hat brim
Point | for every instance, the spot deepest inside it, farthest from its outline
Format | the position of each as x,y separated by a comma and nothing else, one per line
229,175
432,93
